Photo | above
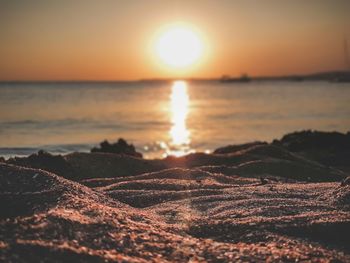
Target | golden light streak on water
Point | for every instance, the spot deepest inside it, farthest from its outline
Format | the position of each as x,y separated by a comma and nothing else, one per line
179,109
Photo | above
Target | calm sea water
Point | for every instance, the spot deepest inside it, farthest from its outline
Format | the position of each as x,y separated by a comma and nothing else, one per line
164,117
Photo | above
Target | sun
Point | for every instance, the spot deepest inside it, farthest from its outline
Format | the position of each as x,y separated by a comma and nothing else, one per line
179,46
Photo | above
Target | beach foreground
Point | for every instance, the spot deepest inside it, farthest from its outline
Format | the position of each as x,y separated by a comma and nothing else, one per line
283,201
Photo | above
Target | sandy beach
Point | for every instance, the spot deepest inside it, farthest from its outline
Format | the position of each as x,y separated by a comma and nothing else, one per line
174,131
258,202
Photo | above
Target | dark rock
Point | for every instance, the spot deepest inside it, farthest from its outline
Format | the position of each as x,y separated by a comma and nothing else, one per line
120,147
328,148
306,140
43,160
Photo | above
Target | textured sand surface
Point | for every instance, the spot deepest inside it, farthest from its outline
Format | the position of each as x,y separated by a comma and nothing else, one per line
255,203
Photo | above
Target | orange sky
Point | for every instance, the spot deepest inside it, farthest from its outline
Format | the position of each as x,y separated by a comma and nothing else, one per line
110,40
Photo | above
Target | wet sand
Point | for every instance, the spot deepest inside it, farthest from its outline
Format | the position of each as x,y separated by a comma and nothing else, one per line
284,201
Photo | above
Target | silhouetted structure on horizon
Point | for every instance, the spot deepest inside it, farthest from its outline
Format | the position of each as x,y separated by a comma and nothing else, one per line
243,78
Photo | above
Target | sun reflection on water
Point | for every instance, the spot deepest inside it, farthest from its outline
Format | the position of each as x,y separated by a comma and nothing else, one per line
179,108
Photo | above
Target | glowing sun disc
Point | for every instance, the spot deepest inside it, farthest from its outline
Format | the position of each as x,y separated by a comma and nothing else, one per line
179,47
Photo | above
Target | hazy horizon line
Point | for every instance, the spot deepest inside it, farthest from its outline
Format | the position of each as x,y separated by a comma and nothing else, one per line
155,79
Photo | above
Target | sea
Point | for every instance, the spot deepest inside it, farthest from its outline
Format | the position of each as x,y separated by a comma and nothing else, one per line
162,118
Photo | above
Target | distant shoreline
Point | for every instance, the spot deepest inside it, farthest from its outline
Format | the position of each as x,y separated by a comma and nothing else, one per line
332,76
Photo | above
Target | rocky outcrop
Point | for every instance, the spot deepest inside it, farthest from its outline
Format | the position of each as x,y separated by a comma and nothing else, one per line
120,147
328,148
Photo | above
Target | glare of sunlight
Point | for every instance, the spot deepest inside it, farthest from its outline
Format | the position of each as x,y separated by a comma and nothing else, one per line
179,46
179,107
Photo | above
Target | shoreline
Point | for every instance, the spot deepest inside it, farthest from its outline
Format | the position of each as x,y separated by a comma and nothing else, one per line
65,149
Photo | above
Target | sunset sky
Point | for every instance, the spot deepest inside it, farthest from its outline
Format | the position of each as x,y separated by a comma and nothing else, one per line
116,40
